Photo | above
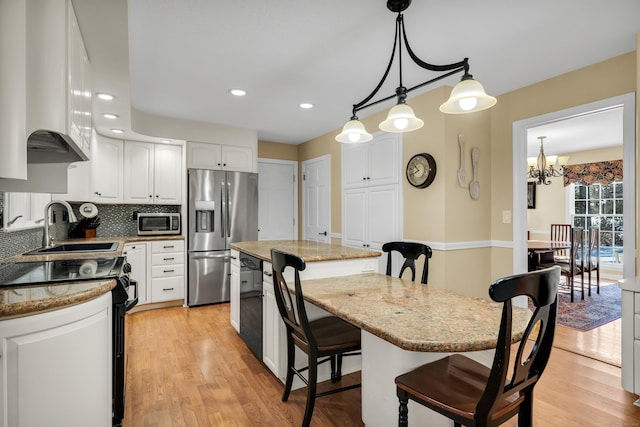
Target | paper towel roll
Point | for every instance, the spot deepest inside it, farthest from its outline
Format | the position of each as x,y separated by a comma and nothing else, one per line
88,268
88,210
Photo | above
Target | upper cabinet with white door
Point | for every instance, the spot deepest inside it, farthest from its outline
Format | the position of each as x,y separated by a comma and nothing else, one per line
152,173
45,85
107,169
373,163
237,158
24,210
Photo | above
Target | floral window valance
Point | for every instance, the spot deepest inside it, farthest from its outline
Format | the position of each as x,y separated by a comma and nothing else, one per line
593,173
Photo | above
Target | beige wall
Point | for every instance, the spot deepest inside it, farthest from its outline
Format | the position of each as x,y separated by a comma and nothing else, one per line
444,213
551,199
614,77
277,150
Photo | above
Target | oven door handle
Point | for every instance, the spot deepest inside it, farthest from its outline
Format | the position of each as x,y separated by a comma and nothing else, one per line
130,304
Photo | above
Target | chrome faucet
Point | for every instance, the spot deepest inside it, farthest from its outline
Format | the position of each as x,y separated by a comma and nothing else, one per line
46,238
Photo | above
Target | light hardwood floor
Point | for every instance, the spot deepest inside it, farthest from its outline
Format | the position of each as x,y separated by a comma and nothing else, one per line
188,367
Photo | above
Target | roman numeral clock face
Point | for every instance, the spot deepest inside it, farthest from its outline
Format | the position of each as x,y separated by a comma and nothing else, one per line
421,170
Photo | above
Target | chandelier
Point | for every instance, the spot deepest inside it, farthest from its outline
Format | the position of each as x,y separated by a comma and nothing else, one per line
467,96
543,167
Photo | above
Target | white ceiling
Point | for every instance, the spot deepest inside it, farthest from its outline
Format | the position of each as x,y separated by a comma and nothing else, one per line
179,58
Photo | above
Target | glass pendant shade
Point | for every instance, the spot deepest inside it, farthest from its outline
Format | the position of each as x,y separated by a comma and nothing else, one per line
401,119
354,132
467,96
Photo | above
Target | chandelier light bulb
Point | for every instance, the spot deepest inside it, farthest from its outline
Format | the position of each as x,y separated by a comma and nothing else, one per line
468,104
354,137
401,124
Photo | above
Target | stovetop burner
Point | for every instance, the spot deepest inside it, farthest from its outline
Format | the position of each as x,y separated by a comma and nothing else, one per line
37,272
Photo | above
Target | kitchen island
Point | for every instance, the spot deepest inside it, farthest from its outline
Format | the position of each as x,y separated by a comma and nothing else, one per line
405,324
323,260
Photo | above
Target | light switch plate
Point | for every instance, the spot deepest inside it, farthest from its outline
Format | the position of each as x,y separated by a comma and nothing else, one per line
506,217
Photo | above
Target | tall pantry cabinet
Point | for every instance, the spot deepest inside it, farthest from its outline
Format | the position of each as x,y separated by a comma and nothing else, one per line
371,192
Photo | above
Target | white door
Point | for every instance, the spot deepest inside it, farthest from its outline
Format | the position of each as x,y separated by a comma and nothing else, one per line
316,199
138,172
167,174
278,206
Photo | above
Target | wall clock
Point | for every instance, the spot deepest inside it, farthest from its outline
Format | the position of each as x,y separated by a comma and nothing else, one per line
421,170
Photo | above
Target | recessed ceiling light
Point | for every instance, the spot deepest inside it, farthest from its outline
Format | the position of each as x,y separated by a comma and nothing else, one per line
117,131
105,96
306,105
110,116
237,92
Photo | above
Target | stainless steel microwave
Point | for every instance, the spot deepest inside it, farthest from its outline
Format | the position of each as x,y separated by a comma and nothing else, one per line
154,224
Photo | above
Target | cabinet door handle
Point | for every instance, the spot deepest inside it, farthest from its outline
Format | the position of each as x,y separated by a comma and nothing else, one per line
167,289
168,259
168,271
266,273
168,247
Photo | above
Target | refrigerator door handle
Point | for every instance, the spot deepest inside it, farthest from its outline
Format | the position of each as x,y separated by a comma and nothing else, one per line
223,211
228,210
215,256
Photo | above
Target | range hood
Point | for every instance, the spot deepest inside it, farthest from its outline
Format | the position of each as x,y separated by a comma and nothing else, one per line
49,155
45,146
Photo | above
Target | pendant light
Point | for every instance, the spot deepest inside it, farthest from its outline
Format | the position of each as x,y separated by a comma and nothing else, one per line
467,96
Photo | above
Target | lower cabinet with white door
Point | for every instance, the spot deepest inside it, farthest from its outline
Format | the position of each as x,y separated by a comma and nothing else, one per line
167,270
71,385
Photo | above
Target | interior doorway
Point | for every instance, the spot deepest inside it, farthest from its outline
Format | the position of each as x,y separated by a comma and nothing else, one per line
278,210
316,199
602,343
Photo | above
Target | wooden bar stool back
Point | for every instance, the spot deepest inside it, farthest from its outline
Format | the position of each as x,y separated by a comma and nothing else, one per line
330,337
471,394
411,251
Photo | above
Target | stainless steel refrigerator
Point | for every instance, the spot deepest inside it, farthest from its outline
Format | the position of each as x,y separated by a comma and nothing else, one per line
223,208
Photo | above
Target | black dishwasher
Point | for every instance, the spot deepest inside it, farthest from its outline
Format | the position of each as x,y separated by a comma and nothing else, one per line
251,302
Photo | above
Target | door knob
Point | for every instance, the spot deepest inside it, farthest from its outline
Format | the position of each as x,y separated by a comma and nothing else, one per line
323,233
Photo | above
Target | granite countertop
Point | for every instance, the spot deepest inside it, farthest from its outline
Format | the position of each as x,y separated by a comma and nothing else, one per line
411,315
25,300
305,249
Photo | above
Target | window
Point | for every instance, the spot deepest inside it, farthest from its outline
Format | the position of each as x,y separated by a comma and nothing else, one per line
601,205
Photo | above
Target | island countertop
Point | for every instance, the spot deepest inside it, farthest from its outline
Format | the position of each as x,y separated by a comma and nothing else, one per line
413,316
307,250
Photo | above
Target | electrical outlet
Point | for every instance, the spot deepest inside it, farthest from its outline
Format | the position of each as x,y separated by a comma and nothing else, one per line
506,217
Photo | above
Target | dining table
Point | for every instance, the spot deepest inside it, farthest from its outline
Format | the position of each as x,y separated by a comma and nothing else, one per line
405,324
536,247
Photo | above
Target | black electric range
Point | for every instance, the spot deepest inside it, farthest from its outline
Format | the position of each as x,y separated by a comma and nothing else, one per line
124,297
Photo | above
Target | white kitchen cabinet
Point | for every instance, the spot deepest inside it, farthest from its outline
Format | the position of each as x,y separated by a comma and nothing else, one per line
630,356
167,270
152,173
272,325
107,170
57,367
234,290
136,254
371,216
202,155
373,163
24,210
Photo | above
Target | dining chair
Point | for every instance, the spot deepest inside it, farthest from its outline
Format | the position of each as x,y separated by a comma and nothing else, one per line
411,251
561,233
325,339
592,256
472,394
573,264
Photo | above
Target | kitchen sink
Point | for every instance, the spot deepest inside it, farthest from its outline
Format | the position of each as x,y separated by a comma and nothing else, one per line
63,248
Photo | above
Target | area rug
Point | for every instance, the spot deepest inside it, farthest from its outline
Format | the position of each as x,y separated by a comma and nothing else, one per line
595,310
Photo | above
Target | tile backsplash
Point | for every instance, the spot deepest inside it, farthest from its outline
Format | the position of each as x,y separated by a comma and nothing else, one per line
115,221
